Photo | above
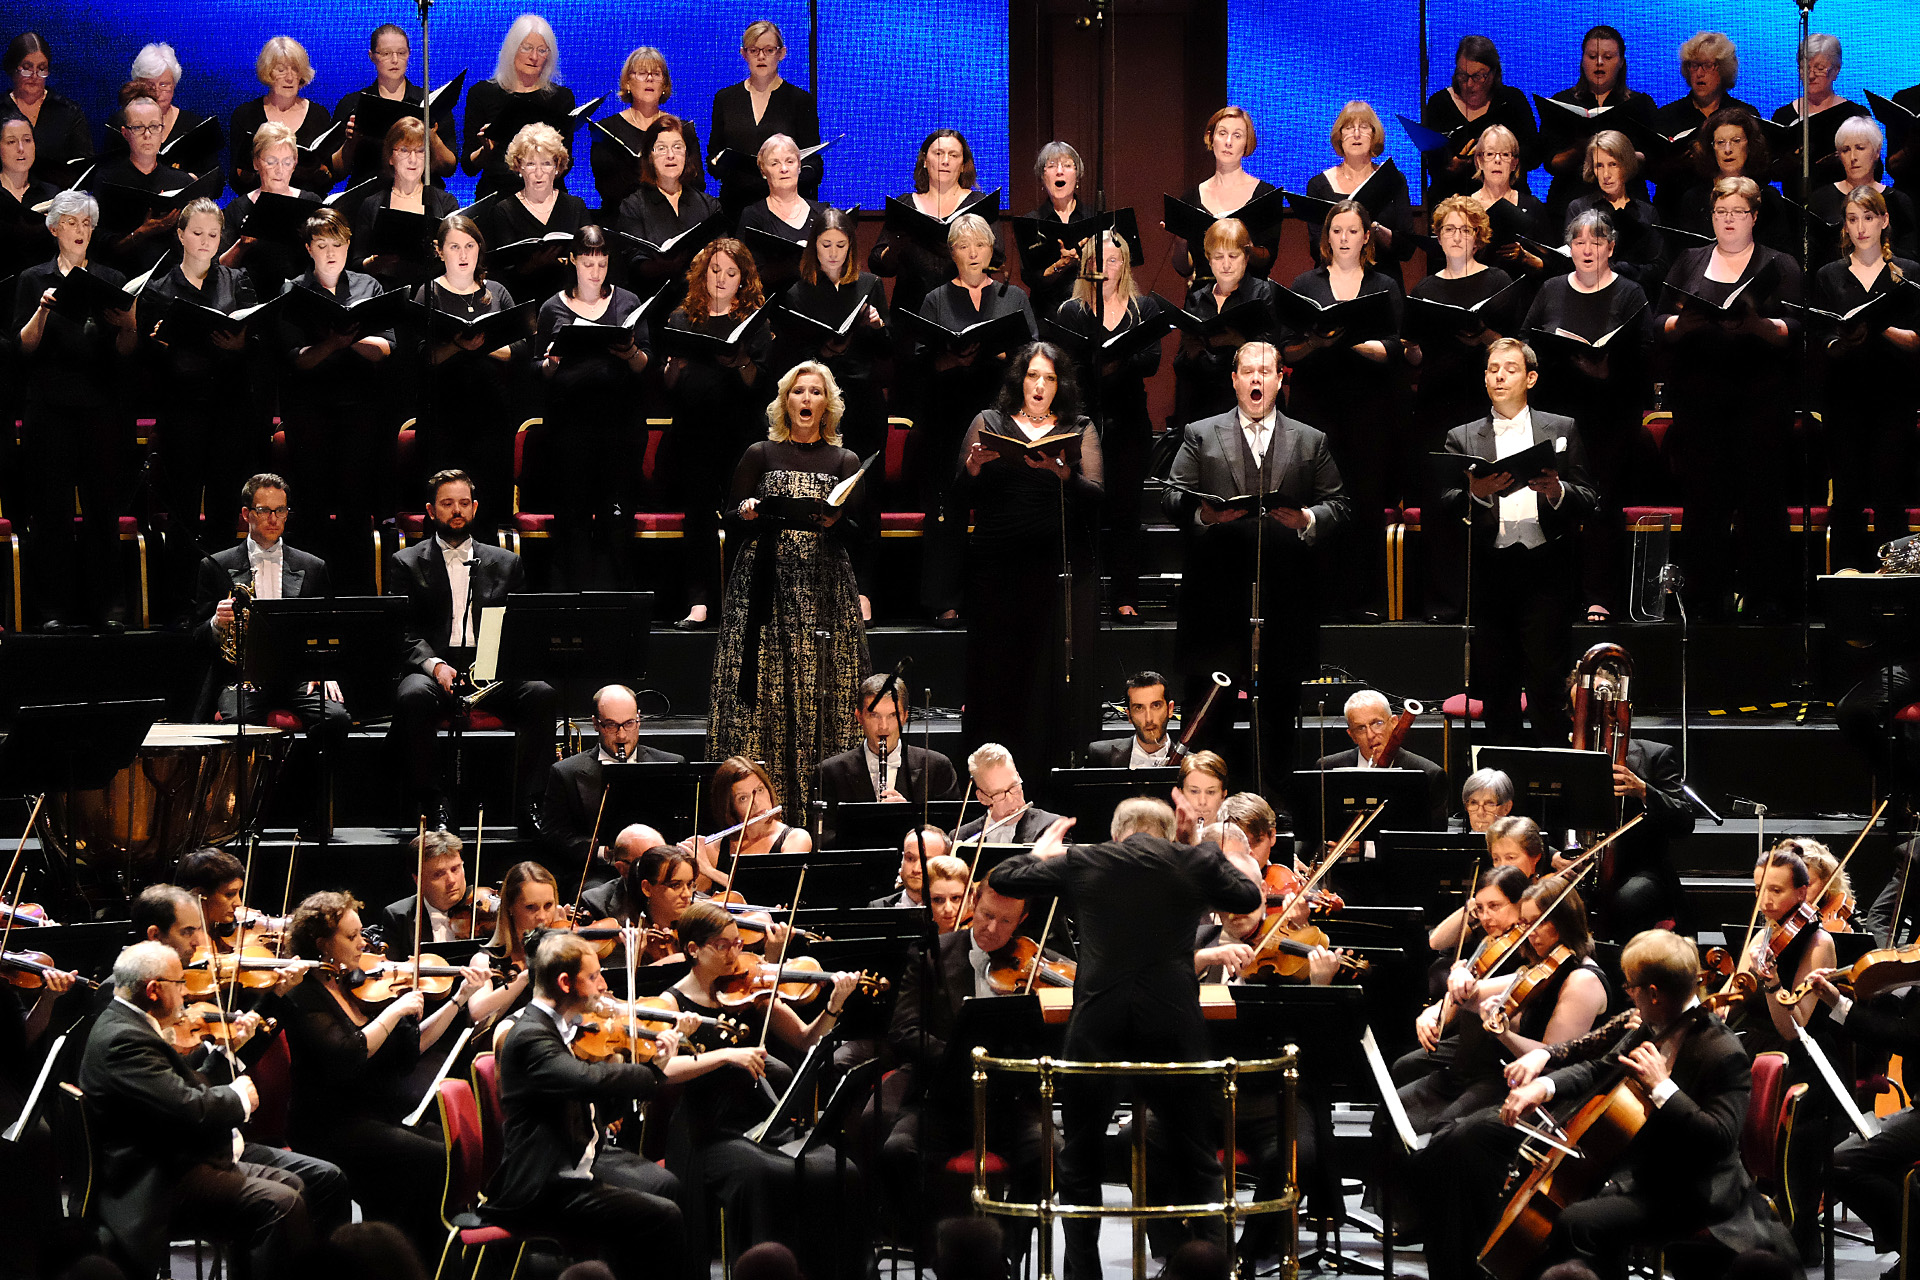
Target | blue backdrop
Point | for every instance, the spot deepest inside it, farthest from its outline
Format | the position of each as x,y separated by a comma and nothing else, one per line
890,68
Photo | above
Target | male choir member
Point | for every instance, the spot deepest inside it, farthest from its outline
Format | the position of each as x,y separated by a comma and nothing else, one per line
558,1171
134,247
440,879
273,570
746,114
1477,95
60,132
168,1138
996,782
911,892
522,87
1522,548
1138,901
574,785
913,773
1148,710
1253,448
1369,716
283,67
448,579
621,141
359,156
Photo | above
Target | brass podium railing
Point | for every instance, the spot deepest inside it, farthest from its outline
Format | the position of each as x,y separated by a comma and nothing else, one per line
1048,1208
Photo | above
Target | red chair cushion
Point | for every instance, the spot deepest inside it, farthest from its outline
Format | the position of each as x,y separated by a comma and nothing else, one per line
283,720
963,1164
1240,1158
1633,515
273,1080
486,1089
903,522
650,458
895,463
6,528
478,721
460,1132
1459,707
1908,714
531,522
410,522
1795,517
659,522
1410,515
474,1237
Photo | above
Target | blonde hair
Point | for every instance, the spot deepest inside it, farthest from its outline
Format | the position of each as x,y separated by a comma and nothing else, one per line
278,50
1663,959
1494,134
946,867
1473,211
1088,291
1360,111
969,227
274,134
771,145
777,425
1617,145
538,137
645,56
194,208
527,24
1211,763
1711,46
761,28
1739,185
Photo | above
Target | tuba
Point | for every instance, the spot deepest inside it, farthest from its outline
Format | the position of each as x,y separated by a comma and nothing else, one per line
1602,705
233,644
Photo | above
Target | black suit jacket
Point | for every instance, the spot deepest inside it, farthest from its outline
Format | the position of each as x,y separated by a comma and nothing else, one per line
419,573
1115,753
930,997
1557,524
1643,850
845,776
573,796
1032,825
1405,759
547,1095
1138,902
154,1118
302,577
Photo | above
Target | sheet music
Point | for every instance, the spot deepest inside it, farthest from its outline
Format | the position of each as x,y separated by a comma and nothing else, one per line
486,658
1866,1127
1390,1095
33,1099
433,1090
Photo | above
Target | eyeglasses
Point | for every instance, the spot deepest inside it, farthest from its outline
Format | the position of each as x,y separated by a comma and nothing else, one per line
727,944
180,981
649,73
32,73
670,149
1482,76
270,513
762,50
618,726
143,129
537,50
995,797
409,151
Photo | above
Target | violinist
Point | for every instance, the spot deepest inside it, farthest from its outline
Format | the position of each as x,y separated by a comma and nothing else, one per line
916,849
440,876
217,879
1789,945
721,1099
997,785
529,900
1370,722
557,1171
1485,795
575,784
352,1069
661,881
613,899
1511,842
1148,711
741,789
28,1181
1225,943
167,913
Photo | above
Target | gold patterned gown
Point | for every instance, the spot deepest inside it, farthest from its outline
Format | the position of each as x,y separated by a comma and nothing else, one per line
792,648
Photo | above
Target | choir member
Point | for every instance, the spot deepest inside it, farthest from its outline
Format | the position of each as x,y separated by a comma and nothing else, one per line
269,263
1858,142
1709,65
1640,251
591,397
1868,387
404,160
1731,392
784,214
538,157
467,416
1358,138
523,88
1602,83
1251,446
742,791
621,141
1058,170
24,239
1731,145
792,647
1477,94
333,407
352,1064
1497,162
1203,367
283,67
1035,522
1229,139
1819,105
962,383
1603,391
158,68
210,435
60,132
361,158
1106,300
746,114
666,203
831,285
943,186
76,422
716,407
1345,386
133,248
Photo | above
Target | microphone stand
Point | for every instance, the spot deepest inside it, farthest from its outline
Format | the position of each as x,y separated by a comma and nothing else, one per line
1258,620
1807,495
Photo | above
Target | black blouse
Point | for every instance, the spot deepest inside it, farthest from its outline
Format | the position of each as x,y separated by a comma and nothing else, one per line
616,174
586,383
197,159
60,135
342,378
648,214
24,238
486,101
188,373
1119,396
334,1077
776,275
1213,364
917,270
1711,364
1191,261
1505,105
309,174
413,268
75,364
1640,252
952,305
1611,401
1777,227
1452,372
1829,205
1873,370
1568,185
465,368
1049,292
790,110
508,220
1820,131
1016,506
368,153
268,263
829,304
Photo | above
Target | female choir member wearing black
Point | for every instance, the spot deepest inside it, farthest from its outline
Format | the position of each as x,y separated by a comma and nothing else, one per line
334,404
665,204
1203,367
1358,139
1639,250
621,141
404,191
1730,145
1346,385
1452,386
352,1064
1602,391
60,132
962,383
1819,68
1858,143
1029,514
538,157
717,404
784,214
361,158
943,187
159,69
1602,83
746,114
1731,388
1869,383
467,421
1497,161
1477,96
76,422
1052,280
268,262
1229,139
725,1092
210,433
283,67
792,649
522,88
24,241
1106,301
1709,65
591,398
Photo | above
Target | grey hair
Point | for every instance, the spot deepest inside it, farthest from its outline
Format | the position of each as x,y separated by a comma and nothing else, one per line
1143,814
1819,45
986,756
1056,151
1594,222
1493,780
773,144
525,25
1858,127
71,203
141,963
969,226
1365,697
152,60
1221,832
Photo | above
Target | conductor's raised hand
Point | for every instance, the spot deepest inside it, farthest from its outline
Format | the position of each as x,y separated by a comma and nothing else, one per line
1054,842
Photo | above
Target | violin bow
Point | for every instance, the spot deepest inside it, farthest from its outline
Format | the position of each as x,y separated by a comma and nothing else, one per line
286,896
593,846
1459,946
213,963
1842,864
12,867
979,847
793,913
240,909
419,895
1354,829
473,891
1040,953
1753,917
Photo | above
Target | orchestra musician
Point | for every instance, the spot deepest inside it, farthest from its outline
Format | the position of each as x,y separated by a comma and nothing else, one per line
912,878
1148,711
529,900
446,892
575,784
284,68
447,580
997,785
1783,952
913,774
621,141
1491,911
522,87
659,879
1476,93
1487,794
742,790
360,157
746,114
1370,719
1203,784
610,899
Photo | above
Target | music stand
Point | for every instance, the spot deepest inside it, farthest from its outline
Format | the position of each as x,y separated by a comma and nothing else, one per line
875,824
1426,869
1091,795
1881,610
576,641
838,878
665,796
1335,796
1566,790
353,640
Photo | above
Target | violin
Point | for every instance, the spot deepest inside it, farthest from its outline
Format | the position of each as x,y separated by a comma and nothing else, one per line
661,1012
29,970
1872,974
477,915
1498,1020
1836,915
796,981
377,980
252,966
25,915
1284,953
1284,885
606,1036
1021,965
1493,951
248,928
202,1022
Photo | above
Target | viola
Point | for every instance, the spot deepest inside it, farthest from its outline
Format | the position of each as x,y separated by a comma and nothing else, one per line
1836,915
606,1036
1872,974
477,915
660,1012
1021,965
1284,885
25,915
1284,953
796,981
1498,1020
201,1022
248,928
29,970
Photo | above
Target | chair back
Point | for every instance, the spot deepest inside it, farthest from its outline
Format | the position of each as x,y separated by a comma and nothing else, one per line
466,1162
273,1079
493,1121
1760,1135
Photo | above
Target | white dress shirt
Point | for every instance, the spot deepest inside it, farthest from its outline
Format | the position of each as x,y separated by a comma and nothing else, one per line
266,563
1139,758
461,633
981,962
1259,435
1519,512
872,758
